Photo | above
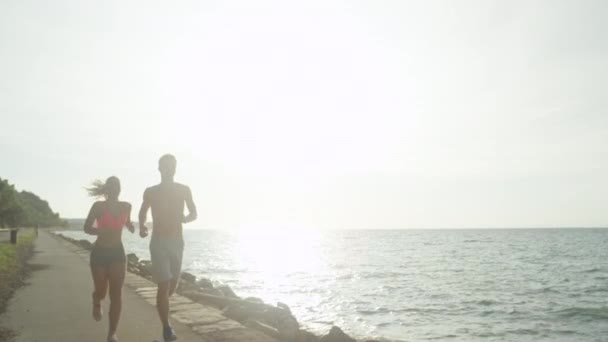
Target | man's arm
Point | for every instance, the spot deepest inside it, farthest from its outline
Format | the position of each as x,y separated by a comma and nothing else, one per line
143,214
129,224
192,214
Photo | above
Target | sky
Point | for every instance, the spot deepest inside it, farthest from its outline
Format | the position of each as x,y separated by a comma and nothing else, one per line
314,114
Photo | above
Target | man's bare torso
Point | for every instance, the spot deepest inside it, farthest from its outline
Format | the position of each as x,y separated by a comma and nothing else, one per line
167,201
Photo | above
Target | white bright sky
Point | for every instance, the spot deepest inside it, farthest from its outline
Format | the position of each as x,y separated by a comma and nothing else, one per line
317,113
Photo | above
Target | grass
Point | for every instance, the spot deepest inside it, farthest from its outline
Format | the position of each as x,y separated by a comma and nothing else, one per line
10,254
13,260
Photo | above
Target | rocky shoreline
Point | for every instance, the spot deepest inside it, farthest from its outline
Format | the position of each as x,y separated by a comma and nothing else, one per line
275,321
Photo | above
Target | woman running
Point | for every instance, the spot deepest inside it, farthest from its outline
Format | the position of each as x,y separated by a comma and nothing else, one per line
108,260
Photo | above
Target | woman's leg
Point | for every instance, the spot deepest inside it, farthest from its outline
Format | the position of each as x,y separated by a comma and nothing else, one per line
117,277
100,282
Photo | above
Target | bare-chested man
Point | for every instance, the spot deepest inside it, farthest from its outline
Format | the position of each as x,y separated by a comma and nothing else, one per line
167,201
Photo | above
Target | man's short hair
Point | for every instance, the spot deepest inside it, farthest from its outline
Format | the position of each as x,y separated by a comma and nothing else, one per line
167,161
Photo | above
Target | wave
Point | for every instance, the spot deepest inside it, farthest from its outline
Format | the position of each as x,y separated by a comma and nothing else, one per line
595,313
380,310
523,331
547,289
474,241
483,302
596,289
384,310
487,302
489,313
442,337
381,275
384,324
213,270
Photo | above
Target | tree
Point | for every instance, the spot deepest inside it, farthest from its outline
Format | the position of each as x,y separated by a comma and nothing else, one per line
25,209
10,210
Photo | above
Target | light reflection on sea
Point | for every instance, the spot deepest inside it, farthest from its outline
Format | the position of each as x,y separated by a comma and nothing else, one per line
456,285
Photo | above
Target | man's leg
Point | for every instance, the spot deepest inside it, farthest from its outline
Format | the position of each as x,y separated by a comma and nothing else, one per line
176,264
162,302
161,267
162,305
174,281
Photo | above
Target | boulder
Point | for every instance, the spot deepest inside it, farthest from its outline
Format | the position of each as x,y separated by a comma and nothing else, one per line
188,277
212,292
261,327
227,291
283,306
276,315
337,335
254,300
199,297
204,283
86,244
132,258
306,336
288,329
145,263
237,312
145,268
185,286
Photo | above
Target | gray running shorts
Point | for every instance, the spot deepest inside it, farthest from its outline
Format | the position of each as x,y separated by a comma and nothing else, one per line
166,256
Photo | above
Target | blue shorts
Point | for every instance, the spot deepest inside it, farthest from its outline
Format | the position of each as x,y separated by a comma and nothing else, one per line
166,256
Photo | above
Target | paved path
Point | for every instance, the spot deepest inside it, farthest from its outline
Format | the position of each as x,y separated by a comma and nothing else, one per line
56,305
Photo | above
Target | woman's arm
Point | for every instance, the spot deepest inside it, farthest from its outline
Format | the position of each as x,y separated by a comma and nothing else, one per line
129,223
88,223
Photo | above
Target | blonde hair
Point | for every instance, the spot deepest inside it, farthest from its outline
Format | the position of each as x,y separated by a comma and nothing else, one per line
100,188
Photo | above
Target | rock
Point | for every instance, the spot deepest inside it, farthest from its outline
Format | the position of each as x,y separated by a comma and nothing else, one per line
306,336
212,292
86,244
227,291
188,277
132,258
261,327
236,312
204,283
185,286
337,335
288,329
254,300
277,315
283,306
145,268
199,297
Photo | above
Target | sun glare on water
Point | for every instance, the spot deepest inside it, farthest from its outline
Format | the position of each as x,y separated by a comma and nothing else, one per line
277,257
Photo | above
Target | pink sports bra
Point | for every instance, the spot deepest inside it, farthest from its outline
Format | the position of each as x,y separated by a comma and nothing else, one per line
109,221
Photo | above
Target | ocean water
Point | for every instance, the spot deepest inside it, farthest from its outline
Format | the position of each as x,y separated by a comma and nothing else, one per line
417,285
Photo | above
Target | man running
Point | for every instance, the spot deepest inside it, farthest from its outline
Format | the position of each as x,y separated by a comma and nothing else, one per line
167,201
